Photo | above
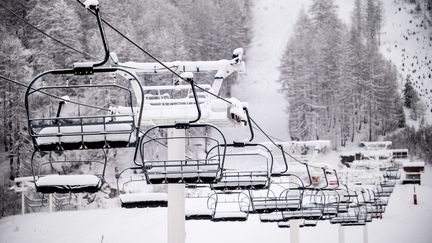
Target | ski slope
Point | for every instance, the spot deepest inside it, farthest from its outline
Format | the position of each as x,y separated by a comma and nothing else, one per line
406,40
272,25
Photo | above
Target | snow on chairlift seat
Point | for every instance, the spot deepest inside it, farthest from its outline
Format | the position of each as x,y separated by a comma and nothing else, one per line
68,183
312,213
272,217
229,216
189,171
199,214
344,218
197,205
330,210
310,223
72,137
144,200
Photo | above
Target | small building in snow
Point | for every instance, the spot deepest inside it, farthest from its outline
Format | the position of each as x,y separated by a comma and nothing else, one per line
412,172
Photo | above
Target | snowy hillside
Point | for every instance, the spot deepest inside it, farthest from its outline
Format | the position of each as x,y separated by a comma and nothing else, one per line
271,29
407,42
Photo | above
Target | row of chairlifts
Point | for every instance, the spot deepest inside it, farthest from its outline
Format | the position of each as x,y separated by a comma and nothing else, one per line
240,176
295,200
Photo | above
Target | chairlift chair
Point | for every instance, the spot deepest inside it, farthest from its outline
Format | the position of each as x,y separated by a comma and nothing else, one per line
284,194
313,204
54,173
232,207
134,192
192,165
272,217
247,166
199,207
92,125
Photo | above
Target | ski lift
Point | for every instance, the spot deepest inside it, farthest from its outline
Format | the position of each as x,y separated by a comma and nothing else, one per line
332,204
60,174
198,206
165,104
313,204
134,192
247,166
229,207
384,189
358,214
80,125
282,195
187,163
392,174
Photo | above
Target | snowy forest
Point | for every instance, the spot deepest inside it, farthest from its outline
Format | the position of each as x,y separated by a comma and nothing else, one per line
339,85
170,30
335,79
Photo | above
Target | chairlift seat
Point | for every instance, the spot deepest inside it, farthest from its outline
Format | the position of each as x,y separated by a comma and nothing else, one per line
331,210
272,217
246,180
356,223
310,223
195,214
144,200
271,204
229,216
72,137
188,171
312,213
344,219
68,183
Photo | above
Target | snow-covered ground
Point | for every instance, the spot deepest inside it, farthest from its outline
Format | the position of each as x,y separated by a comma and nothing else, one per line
403,222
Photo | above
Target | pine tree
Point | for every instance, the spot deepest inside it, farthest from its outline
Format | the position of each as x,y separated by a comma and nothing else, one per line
59,20
410,96
14,64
